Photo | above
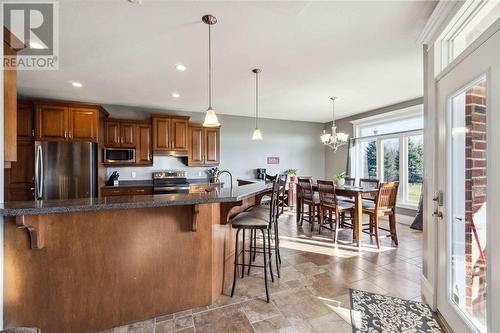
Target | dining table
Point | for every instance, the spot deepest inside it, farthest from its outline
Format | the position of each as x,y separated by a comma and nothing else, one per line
354,192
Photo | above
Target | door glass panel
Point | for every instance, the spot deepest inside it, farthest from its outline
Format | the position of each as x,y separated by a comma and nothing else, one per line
415,164
369,159
467,221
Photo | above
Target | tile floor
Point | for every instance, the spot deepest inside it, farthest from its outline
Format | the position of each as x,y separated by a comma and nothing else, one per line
313,292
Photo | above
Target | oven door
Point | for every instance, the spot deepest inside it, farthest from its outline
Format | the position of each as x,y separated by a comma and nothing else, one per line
168,189
119,155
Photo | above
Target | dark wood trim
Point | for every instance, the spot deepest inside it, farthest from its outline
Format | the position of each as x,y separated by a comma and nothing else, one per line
131,121
170,116
71,104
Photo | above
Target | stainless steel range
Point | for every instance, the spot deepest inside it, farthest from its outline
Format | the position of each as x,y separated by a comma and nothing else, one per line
170,181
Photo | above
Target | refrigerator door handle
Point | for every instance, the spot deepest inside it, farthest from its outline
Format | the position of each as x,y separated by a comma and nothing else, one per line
39,172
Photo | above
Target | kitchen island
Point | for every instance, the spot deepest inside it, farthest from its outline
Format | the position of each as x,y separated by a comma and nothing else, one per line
85,265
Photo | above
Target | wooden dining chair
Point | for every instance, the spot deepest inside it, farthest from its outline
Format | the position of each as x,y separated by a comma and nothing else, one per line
308,198
369,183
330,208
383,205
349,181
283,195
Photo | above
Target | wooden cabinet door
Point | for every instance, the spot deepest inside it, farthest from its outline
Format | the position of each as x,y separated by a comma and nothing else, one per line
161,134
179,134
19,179
127,133
51,123
83,124
25,121
144,154
196,146
112,134
212,146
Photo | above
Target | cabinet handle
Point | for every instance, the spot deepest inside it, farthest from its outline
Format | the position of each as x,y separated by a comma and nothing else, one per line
70,133
139,190
65,134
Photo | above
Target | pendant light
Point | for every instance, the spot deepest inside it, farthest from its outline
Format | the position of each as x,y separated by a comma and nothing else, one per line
334,140
210,116
257,135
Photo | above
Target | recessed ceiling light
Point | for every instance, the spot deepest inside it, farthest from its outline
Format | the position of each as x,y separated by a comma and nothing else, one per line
76,84
176,95
180,67
135,2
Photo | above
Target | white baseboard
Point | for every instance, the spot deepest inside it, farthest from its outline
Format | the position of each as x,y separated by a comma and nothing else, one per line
428,293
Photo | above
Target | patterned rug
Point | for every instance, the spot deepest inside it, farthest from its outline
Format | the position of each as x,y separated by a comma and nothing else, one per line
376,313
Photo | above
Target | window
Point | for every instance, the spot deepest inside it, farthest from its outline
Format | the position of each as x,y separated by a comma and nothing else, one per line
472,19
415,162
391,148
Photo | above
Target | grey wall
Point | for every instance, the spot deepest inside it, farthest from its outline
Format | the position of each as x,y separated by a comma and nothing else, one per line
336,163
295,143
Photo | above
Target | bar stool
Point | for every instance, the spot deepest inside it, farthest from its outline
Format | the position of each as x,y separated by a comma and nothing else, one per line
255,220
283,195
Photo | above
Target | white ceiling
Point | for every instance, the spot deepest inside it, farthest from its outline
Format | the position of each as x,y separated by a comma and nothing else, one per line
367,53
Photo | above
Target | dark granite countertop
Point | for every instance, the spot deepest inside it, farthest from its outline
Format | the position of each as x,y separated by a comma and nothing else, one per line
149,183
19,208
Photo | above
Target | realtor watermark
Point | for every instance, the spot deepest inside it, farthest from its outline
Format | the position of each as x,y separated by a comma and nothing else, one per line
32,35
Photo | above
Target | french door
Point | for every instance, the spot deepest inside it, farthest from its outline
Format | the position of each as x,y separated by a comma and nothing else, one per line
468,177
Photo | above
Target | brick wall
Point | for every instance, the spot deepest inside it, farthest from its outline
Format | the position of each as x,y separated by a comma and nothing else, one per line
475,195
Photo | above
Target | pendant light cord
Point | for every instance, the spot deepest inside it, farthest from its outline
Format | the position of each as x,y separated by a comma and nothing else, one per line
333,110
209,66
256,100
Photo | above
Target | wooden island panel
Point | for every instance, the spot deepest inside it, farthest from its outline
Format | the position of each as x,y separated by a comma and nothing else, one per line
108,268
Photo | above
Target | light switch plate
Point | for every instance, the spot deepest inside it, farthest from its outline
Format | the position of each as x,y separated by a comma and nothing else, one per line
134,174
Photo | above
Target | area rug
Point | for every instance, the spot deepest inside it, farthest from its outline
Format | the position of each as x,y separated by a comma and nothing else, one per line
375,313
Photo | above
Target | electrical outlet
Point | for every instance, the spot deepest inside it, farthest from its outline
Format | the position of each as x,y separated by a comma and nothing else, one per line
200,173
134,174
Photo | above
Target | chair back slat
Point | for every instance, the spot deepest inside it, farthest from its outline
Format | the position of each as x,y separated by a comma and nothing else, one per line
349,181
327,195
273,210
369,183
387,195
305,187
271,178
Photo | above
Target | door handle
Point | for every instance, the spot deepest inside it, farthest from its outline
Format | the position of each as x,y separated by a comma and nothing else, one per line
39,172
437,214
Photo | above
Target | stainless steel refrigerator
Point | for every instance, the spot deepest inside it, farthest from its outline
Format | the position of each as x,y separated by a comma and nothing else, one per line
65,170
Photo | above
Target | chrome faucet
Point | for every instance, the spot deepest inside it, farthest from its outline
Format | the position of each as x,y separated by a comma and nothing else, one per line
230,177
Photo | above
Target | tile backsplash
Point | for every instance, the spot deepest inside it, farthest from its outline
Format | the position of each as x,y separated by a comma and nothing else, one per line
159,163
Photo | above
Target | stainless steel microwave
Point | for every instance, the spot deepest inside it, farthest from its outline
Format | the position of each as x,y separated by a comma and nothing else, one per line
119,155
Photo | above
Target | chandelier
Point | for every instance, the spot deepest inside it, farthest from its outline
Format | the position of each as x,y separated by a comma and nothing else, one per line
334,140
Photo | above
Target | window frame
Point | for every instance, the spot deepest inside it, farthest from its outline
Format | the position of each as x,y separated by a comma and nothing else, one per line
356,156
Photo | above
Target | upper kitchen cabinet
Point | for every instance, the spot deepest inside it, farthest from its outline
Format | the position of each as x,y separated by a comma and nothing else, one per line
204,146
144,153
120,133
83,124
61,121
170,134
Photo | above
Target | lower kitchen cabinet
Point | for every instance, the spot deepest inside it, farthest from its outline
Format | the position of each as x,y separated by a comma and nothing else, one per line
128,190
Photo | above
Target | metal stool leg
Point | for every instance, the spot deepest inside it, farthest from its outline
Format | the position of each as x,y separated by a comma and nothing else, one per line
254,243
236,255
265,264
252,248
270,254
243,256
